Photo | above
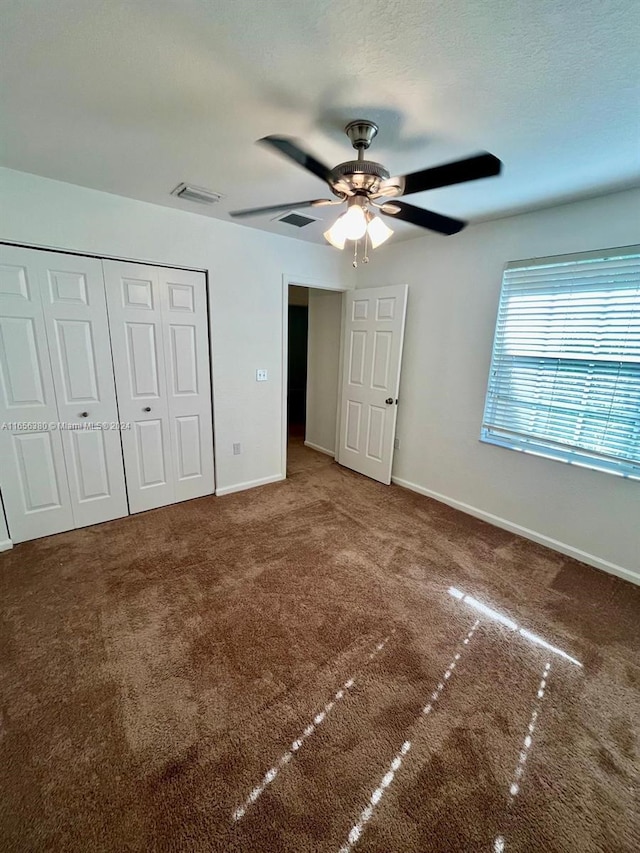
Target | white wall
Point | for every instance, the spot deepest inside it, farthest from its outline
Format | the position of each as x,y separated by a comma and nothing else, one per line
454,285
245,267
325,316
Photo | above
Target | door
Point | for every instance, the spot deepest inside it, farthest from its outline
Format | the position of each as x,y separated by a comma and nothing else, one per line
158,322
75,314
33,474
372,353
183,299
135,320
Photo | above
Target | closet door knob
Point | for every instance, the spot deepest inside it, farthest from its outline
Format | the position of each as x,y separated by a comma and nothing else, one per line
147,409
84,414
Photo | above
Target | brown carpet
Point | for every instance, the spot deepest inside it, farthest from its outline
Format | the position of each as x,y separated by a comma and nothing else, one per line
207,677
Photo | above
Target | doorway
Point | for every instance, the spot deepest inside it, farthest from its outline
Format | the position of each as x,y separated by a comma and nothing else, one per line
312,326
298,311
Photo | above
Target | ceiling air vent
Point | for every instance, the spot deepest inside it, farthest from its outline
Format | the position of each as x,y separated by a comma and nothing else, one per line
188,192
298,220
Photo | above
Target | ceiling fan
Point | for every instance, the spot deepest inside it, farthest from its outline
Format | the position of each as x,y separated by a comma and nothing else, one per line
365,185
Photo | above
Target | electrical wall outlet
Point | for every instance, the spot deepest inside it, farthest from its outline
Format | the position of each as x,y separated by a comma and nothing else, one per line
261,375
396,443
237,448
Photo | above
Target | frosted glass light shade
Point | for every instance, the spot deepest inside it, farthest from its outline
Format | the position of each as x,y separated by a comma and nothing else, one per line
378,232
335,235
354,222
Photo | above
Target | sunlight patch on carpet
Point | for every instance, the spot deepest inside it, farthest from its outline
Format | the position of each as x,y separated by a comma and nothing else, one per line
367,813
481,607
528,740
518,773
297,744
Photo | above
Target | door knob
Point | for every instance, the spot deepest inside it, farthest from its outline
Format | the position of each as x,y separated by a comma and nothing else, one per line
389,401
84,414
147,409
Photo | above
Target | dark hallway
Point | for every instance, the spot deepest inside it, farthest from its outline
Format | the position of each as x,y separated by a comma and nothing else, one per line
297,361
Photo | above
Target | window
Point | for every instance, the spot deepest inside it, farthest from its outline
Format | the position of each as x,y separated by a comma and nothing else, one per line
565,372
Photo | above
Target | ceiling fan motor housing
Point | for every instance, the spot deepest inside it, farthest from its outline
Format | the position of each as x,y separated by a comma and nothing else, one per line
358,175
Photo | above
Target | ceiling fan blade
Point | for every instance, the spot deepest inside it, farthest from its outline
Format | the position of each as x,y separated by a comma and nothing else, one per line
471,169
290,148
422,218
275,208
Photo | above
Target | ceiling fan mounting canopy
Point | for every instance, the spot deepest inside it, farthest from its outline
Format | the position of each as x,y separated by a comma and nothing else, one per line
369,181
361,132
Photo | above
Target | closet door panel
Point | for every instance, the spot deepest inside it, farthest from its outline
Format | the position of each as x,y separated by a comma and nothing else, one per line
75,313
42,486
186,342
135,320
150,441
33,474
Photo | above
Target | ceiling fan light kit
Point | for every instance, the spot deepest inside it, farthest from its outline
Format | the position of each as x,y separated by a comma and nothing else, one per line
364,186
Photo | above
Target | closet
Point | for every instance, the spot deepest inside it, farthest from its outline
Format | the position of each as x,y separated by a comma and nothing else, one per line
105,391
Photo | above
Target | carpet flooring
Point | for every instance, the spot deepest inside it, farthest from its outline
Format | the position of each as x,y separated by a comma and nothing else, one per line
324,664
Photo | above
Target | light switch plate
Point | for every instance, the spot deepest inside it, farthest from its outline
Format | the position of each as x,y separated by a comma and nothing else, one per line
261,375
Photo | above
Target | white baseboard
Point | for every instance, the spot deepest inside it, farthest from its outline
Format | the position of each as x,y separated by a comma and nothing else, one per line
320,449
6,545
540,538
250,484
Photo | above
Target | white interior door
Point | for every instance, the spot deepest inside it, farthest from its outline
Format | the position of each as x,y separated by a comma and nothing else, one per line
158,324
33,474
372,354
75,313
183,298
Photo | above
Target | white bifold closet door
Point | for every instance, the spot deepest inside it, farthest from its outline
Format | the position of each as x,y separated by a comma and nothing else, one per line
56,376
158,321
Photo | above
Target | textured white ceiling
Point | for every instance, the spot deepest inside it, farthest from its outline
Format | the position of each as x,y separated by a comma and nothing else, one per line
134,97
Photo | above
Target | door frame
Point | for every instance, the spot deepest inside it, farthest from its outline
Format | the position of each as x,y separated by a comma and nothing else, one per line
301,281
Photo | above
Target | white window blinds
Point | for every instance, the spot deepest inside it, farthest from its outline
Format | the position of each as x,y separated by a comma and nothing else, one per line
565,372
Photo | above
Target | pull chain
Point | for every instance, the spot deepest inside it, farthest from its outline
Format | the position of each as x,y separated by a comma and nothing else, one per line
355,255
